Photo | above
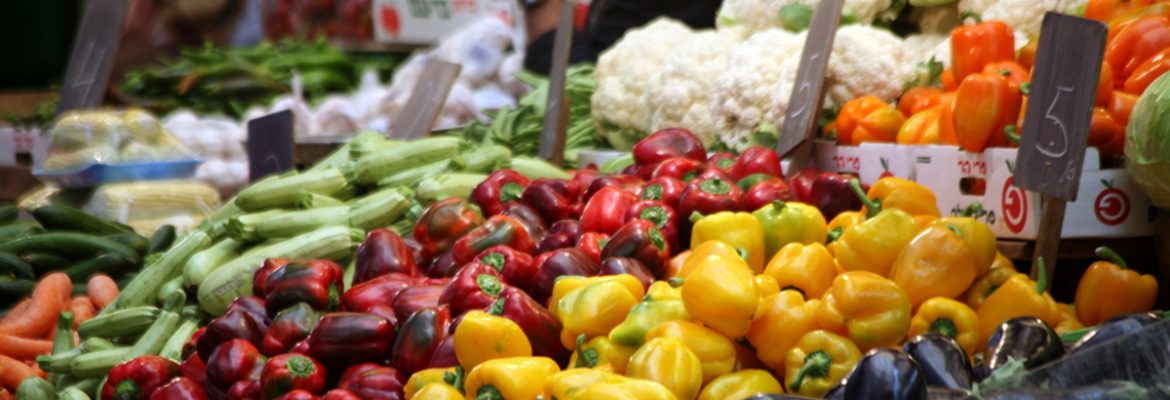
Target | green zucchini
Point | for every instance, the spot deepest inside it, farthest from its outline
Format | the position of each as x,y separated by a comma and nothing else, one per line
281,192
63,217
202,263
379,209
291,223
162,239
133,241
72,393
109,264
8,214
44,262
13,265
35,388
378,164
70,244
144,288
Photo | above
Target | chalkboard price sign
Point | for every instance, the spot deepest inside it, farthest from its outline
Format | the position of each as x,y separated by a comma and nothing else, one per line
270,144
808,93
92,56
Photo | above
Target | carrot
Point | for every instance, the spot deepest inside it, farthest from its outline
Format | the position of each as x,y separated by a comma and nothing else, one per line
24,348
15,310
12,371
102,290
48,299
82,309
5,395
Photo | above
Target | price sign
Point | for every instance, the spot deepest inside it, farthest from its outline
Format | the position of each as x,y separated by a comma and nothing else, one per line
808,94
556,115
424,22
270,144
418,115
92,56
1056,124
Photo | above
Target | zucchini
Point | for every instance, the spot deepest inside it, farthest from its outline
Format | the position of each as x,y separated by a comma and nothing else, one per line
449,185
119,323
70,244
44,262
63,217
379,208
411,177
173,348
203,262
144,288
8,213
133,241
368,142
291,223
18,230
162,239
85,385
376,165
281,192
109,264
35,388
175,285
163,327
243,228
12,290
484,158
534,168
13,265
73,393
234,278
62,339
98,363
308,200
97,344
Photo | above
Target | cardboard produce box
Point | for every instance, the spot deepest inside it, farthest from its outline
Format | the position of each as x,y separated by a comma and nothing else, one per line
869,161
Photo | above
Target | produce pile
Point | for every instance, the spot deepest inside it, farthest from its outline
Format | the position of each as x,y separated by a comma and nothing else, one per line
685,276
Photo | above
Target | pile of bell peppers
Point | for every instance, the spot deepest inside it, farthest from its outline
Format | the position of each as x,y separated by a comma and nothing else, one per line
689,277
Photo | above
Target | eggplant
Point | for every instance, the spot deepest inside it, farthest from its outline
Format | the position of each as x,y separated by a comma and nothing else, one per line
885,374
1112,329
777,396
943,361
1023,338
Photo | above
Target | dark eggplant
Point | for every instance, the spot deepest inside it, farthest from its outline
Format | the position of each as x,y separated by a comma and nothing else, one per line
943,361
776,396
1112,329
885,374
1023,338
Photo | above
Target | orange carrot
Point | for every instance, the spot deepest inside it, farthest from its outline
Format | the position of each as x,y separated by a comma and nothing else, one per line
82,309
18,309
24,348
12,371
102,290
5,395
48,299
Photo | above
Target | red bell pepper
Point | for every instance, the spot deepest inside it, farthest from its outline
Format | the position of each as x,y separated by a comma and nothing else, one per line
317,282
374,383
666,189
560,262
346,338
189,347
444,356
668,143
1135,43
475,287
379,291
529,218
443,223
242,390
290,326
139,377
586,176
679,167
516,268
291,371
252,305
543,330
180,389
443,266
413,299
756,160
500,188
591,243
260,277
340,394
629,183
626,265
297,395
421,258
640,240
831,194
383,253
1105,133
606,211
710,196
765,192
236,324
234,361
747,182
974,46
562,234
722,161
662,215
802,185
713,173
194,369
554,199
639,170
418,338
498,230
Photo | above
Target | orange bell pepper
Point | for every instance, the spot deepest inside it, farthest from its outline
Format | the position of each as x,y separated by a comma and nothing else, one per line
868,119
1137,42
984,106
1105,84
1110,288
867,308
1137,10
1145,73
1026,56
919,98
974,46
1015,73
902,194
1121,106
921,128
1018,297
946,121
1105,133
809,269
1068,319
948,80
779,323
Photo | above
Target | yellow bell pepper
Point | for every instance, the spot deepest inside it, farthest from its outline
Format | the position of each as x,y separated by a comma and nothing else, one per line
741,385
948,317
937,263
738,229
439,391
988,283
1018,297
905,195
766,285
669,362
870,310
1068,319
977,235
791,222
843,221
625,389
482,336
675,266
565,384
924,221
778,325
568,283
703,254
663,290
807,268
447,376
646,315
601,354
596,307
1109,289
818,362
715,352
874,245
721,293
510,378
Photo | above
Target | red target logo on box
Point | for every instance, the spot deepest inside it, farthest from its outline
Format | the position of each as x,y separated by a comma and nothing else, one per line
1112,205
1015,206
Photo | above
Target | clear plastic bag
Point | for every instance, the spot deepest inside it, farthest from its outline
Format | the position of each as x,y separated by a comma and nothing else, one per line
147,205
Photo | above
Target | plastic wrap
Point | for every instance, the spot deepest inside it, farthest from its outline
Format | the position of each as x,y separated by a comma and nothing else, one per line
147,205
89,148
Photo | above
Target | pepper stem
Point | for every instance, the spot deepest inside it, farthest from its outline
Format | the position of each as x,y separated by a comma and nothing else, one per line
715,186
488,392
816,365
972,15
945,327
1012,133
489,284
510,191
455,379
127,389
300,366
873,206
676,281
1041,275
1108,254
497,307
778,205
495,260
586,358
696,216
834,234
956,230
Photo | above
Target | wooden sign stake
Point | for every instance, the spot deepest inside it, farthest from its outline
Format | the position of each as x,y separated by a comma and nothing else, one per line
808,93
1056,123
556,114
92,56
422,108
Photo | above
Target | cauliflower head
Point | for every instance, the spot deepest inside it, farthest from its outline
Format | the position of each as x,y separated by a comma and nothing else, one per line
867,61
624,71
758,15
680,93
937,19
1022,15
753,91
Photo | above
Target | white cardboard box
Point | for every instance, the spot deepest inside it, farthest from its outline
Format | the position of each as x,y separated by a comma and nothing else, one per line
869,161
425,22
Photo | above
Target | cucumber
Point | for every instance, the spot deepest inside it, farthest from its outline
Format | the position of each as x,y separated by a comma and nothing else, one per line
63,217
18,230
44,262
8,214
109,264
12,290
162,239
11,264
70,244
133,241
